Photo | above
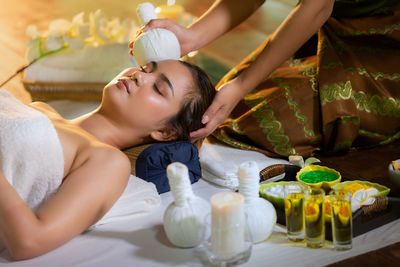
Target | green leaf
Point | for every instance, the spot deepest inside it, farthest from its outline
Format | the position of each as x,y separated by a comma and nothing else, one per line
311,160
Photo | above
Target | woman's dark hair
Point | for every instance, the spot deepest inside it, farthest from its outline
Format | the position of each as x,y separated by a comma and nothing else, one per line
195,103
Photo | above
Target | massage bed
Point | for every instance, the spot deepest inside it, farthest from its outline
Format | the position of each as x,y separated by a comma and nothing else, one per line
140,240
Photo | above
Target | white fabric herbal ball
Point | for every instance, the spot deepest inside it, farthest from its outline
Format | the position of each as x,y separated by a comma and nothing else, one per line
183,225
156,45
261,219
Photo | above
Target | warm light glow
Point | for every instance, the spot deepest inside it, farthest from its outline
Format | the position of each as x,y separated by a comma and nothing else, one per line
192,54
171,2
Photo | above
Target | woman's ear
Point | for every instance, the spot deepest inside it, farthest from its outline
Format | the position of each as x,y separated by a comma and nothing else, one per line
164,135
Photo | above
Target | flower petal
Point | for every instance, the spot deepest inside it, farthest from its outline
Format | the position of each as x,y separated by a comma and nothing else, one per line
59,26
78,19
54,42
75,43
32,31
33,51
83,31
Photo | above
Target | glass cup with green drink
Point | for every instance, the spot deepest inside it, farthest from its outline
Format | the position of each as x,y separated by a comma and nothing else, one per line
342,230
294,213
314,217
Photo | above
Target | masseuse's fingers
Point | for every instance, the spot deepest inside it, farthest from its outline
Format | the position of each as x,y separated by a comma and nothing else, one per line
130,45
225,100
205,131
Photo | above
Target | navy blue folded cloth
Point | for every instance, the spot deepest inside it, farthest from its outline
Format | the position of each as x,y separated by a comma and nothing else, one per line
152,163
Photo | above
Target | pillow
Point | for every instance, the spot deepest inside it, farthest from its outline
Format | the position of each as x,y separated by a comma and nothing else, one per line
133,153
152,162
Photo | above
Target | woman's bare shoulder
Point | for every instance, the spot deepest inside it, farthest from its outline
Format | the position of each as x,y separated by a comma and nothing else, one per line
44,108
103,156
103,165
113,157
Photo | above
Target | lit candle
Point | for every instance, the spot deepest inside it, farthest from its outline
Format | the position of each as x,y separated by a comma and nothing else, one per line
171,11
227,224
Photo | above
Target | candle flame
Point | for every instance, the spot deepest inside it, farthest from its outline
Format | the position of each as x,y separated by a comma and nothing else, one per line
171,2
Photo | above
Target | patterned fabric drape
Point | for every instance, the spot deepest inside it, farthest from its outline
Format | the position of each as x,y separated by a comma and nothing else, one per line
346,96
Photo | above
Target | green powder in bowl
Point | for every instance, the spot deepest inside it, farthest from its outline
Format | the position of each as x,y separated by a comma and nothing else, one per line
314,177
318,176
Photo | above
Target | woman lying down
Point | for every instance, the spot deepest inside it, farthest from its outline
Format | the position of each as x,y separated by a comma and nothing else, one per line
84,171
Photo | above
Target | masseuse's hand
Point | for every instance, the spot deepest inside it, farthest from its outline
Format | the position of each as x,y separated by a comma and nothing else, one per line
225,100
184,35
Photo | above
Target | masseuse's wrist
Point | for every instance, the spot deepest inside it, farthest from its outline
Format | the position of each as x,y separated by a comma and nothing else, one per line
192,43
198,36
239,91
242,83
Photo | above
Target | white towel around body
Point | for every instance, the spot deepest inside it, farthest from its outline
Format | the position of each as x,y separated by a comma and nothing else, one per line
220,163
31,159
31,155
139,198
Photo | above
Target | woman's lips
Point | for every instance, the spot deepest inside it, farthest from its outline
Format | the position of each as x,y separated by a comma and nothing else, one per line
124,83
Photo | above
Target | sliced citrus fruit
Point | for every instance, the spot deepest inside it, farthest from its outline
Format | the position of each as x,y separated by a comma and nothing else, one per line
288,206
344,215
328,213
311,211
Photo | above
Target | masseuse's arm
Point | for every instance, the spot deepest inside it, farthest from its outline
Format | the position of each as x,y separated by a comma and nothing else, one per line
298,27
83,198
221,17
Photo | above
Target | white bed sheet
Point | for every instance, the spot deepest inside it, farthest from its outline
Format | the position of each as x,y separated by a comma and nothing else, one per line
141,241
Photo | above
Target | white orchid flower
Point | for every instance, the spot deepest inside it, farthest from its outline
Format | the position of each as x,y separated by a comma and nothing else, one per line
363,197
75,43
78,32
114,28
75,34
78,19
59,27
84,31
76,22
98,26
128,30
33,49
32,32
54,42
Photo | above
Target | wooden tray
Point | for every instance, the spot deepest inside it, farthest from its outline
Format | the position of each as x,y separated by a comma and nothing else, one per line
78,91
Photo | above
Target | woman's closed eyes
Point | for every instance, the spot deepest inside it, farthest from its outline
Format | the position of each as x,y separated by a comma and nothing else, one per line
145,69
149,68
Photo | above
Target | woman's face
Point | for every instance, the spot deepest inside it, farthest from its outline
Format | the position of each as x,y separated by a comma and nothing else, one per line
146,98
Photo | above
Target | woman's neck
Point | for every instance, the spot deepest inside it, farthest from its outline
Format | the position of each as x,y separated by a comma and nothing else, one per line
107,130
